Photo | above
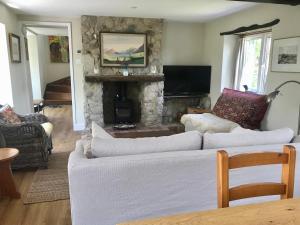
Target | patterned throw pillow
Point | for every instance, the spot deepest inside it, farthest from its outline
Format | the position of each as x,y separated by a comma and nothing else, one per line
7,114
245,108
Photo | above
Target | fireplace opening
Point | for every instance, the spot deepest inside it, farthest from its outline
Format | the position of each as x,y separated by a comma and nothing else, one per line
121,103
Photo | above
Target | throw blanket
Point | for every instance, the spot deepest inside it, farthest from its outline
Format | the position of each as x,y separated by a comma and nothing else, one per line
207,122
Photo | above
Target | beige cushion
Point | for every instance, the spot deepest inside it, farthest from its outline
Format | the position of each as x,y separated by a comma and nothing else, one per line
187,141
99,132
247,138
48,128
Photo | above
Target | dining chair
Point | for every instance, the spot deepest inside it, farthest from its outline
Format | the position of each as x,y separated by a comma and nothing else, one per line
224,163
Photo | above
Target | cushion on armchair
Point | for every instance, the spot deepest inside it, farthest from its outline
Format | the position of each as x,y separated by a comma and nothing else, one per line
8,115
245,108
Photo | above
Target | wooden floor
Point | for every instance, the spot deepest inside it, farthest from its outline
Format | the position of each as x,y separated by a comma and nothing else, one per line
14,212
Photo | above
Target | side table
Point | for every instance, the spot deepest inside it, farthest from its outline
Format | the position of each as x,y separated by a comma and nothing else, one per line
7,184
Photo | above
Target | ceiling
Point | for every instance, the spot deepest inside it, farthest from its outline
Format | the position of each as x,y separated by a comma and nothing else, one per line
178,10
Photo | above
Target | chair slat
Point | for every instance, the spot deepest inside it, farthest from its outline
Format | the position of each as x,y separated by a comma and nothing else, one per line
285,189
257,159
256,190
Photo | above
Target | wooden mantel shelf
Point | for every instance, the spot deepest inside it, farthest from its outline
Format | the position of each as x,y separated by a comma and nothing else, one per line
130,78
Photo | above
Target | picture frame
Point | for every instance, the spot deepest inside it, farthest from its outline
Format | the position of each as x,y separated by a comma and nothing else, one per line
123,49
286,55
15,48
59,49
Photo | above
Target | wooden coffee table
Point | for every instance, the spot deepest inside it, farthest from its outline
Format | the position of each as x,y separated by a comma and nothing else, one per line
7,184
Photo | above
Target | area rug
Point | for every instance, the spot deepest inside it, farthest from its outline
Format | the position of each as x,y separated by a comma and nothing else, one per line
50,184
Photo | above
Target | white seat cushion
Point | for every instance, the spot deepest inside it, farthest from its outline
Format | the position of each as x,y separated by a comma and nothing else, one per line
48,128
99,132
208,122
247,138
128,146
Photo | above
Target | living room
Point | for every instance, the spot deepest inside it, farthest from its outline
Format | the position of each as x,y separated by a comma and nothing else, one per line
246,53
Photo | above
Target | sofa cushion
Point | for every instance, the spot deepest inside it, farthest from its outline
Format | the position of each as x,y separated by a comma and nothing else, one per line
48,128
99,132
207,122
247,138
245,108
8,115
127,146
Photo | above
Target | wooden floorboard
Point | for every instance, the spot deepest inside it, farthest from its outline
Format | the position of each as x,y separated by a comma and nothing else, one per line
14,212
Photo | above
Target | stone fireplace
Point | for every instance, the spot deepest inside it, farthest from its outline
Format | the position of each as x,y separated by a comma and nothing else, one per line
143,88
145,91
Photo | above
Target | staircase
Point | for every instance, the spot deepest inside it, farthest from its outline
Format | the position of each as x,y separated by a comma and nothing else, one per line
58,92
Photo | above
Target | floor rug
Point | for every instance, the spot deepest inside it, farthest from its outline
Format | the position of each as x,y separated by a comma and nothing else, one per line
50,184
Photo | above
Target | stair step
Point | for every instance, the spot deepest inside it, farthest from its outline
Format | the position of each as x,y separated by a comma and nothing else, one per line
57,95
57,102
66,81
58,88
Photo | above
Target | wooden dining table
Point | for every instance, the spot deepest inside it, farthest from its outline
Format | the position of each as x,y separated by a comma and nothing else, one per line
281,212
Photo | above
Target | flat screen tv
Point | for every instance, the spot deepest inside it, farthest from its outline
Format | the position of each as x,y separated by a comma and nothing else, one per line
186,80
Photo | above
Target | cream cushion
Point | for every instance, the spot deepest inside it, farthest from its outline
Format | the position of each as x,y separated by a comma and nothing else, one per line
128,146
247,138
207,122
48,128
99,132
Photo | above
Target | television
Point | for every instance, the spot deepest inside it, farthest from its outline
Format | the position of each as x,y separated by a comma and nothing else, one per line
186,80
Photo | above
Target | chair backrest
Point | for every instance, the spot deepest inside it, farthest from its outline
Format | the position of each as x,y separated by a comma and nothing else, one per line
225,163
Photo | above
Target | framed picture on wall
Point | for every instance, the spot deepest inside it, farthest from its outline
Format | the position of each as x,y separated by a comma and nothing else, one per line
286,55
59,49
122,49
15,48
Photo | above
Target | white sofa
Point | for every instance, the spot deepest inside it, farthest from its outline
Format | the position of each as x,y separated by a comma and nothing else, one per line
110,190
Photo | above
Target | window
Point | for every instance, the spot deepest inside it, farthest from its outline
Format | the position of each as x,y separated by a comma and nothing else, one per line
253,62
5,79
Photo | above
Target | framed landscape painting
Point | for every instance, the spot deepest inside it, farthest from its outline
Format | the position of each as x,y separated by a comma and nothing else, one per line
120,49
286,55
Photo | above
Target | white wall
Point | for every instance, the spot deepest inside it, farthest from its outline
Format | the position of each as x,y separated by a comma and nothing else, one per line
20,76
182,43
284,110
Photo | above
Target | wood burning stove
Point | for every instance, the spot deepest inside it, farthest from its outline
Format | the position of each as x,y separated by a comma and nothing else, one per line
123,111
123,107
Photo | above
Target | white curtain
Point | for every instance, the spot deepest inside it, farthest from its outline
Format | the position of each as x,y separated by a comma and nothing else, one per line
240,62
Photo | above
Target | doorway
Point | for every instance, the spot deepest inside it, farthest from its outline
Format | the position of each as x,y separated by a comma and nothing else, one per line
51,68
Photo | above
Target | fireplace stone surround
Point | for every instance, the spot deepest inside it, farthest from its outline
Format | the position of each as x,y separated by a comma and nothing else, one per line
150,97
151,86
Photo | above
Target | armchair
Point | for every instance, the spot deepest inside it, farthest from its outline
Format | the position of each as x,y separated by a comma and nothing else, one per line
30,138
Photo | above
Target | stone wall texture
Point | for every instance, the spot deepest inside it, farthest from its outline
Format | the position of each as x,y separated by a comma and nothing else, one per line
152,100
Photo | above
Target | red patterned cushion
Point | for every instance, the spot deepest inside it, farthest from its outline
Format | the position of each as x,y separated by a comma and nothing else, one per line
7,114
245,108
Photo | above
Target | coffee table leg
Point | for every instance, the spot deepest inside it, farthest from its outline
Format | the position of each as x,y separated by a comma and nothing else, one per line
7,184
